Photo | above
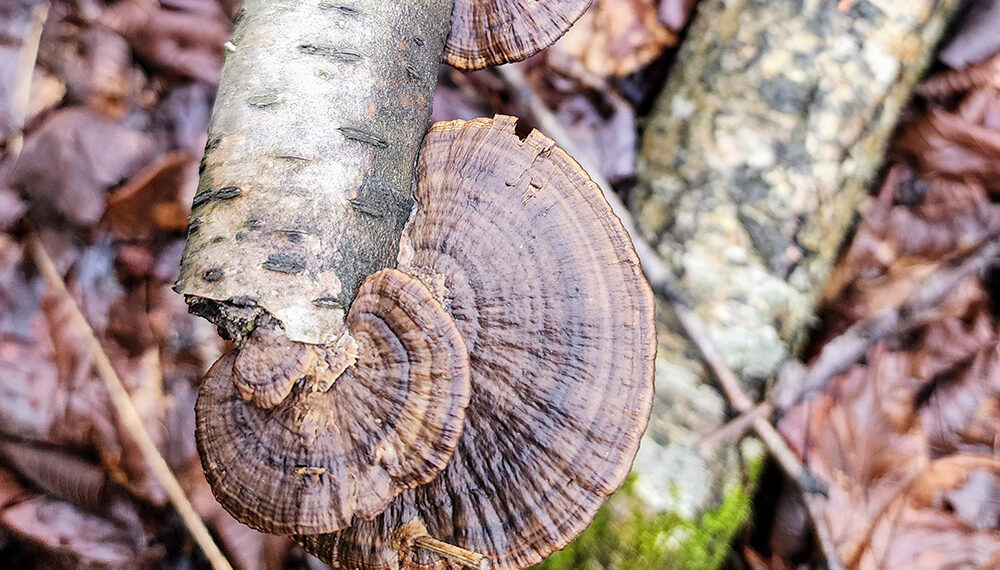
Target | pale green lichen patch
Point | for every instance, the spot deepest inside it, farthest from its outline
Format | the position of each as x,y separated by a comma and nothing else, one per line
625,536
261,101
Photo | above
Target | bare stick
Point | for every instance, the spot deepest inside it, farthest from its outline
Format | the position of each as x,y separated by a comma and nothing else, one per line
22,81
664,285
462,556
839,354
127,412
735,429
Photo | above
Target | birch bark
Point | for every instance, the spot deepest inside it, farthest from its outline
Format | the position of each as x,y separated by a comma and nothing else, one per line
306,181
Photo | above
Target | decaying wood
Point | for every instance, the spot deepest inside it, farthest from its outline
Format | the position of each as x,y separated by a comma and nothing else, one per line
752,167
306,180
760,149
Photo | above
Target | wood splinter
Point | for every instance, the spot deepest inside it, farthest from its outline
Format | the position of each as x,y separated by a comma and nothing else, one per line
454,553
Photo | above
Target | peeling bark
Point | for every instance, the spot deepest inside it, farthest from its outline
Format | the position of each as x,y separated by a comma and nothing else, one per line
754,162
306,181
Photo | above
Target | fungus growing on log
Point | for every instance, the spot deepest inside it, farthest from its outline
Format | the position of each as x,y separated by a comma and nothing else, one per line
349,440
491,391
546,289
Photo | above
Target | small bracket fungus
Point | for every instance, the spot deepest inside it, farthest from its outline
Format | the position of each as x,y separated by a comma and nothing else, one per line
268,365
546,289
336,448
492,32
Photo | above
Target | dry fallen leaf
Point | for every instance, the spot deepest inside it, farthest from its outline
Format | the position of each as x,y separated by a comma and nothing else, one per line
975,37
156,200
73,158
676,13
948,145
185,39
947,518
605,131
613,39
891,505
70,536
92,62
962,414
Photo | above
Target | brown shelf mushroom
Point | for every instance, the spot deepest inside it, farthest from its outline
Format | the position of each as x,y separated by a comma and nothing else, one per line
346,438
491,392
547,291
492,32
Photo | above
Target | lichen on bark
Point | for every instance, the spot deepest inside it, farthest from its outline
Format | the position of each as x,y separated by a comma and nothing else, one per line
759,150
306,181
752,166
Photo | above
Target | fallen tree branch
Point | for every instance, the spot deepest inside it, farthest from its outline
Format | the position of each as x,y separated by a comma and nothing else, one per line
735,429
125,408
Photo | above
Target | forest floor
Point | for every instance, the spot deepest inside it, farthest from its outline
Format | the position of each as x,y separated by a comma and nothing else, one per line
99,167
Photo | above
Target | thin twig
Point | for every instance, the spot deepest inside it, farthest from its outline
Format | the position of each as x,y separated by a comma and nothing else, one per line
735,429
454,553
21,95
662,281
125,407
839,354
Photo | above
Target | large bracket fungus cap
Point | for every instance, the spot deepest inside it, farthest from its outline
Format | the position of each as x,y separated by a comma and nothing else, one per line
492,32
545,287
338,448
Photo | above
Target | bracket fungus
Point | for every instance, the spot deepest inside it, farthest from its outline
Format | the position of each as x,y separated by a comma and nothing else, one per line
470,365
349,440
546,289
493,32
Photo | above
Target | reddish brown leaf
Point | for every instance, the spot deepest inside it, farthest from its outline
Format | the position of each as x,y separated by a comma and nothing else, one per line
975,37
675,13
862,438
962,413
614,38
947,145
73,537
11,208
604,131
92,61
942,521
157,199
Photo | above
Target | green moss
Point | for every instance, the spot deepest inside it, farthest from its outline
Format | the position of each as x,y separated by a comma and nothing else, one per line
623,536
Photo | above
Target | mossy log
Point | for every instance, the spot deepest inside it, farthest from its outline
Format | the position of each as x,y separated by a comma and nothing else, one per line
752,167
307,177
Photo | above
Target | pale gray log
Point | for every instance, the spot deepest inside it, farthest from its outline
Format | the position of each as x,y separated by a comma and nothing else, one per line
307,176
752,166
